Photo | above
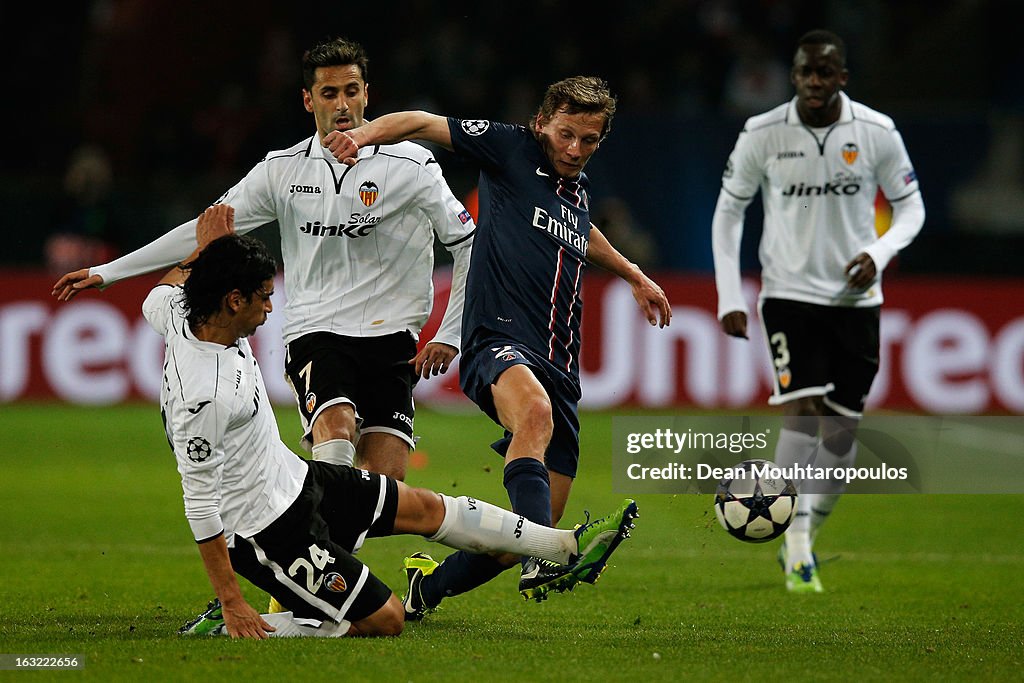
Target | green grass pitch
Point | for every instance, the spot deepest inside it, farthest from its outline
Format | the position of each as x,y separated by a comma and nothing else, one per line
97,561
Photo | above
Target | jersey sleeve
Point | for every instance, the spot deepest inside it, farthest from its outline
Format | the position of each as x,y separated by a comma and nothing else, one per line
169,248
157,308
743,172
254,206
198,444
488,143
895,173
454,228
450,220
252,198
740,182
898,180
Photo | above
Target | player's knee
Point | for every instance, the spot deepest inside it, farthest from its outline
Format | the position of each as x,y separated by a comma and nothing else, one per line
388,621
535,418
393,621
335,422
430,510
420,511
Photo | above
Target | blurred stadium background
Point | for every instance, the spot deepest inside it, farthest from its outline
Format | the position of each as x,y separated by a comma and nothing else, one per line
126,117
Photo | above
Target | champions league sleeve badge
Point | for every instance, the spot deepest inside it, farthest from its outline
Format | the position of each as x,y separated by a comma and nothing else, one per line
475,126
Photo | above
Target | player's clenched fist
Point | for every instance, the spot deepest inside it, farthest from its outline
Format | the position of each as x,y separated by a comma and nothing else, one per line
342,147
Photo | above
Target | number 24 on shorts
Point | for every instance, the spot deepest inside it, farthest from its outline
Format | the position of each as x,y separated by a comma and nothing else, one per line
314,566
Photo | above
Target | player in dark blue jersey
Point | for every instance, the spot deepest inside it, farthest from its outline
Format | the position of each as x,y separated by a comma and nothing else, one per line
521,324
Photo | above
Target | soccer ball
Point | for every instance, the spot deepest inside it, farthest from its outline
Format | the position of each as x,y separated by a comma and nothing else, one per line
753,506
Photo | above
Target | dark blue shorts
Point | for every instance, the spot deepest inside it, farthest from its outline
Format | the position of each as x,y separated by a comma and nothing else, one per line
483,363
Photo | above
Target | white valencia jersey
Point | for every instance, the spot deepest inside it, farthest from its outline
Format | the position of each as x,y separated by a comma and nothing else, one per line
818,188
237,476
357,241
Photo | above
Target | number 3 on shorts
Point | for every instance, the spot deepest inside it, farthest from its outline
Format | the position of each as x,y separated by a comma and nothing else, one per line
781,349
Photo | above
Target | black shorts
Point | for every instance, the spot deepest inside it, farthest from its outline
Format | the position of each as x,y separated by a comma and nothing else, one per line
827,351
304,558
480,368
372,374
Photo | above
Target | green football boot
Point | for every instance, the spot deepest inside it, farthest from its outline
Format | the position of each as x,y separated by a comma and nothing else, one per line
417,566
209,623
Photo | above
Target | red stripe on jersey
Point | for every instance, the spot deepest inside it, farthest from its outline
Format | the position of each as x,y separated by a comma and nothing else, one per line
554,295
572,305
568,188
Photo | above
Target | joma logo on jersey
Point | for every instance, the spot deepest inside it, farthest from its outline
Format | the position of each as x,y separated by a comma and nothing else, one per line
402,418
368,192
358,226
304,189
837,188
789,155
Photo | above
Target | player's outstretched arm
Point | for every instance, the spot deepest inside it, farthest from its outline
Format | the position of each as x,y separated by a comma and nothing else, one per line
649,296
389,129
157,255
216,221
70,284
240,618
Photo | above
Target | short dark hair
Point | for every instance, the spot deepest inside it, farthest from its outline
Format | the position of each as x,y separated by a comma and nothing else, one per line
579,94
227,263
332,52
823,37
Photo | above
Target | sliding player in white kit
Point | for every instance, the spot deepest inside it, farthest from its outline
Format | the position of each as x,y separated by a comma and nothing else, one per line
286,524
357,243
818,162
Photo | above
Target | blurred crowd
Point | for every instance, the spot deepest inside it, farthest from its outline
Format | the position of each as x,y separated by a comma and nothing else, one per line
166,103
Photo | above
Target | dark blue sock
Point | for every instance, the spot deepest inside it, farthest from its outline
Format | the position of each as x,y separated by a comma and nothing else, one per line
460,572
529,490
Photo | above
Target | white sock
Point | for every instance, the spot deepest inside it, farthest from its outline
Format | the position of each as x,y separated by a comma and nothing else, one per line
797,448
798,538
478,527
290,627
827,491
337,451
